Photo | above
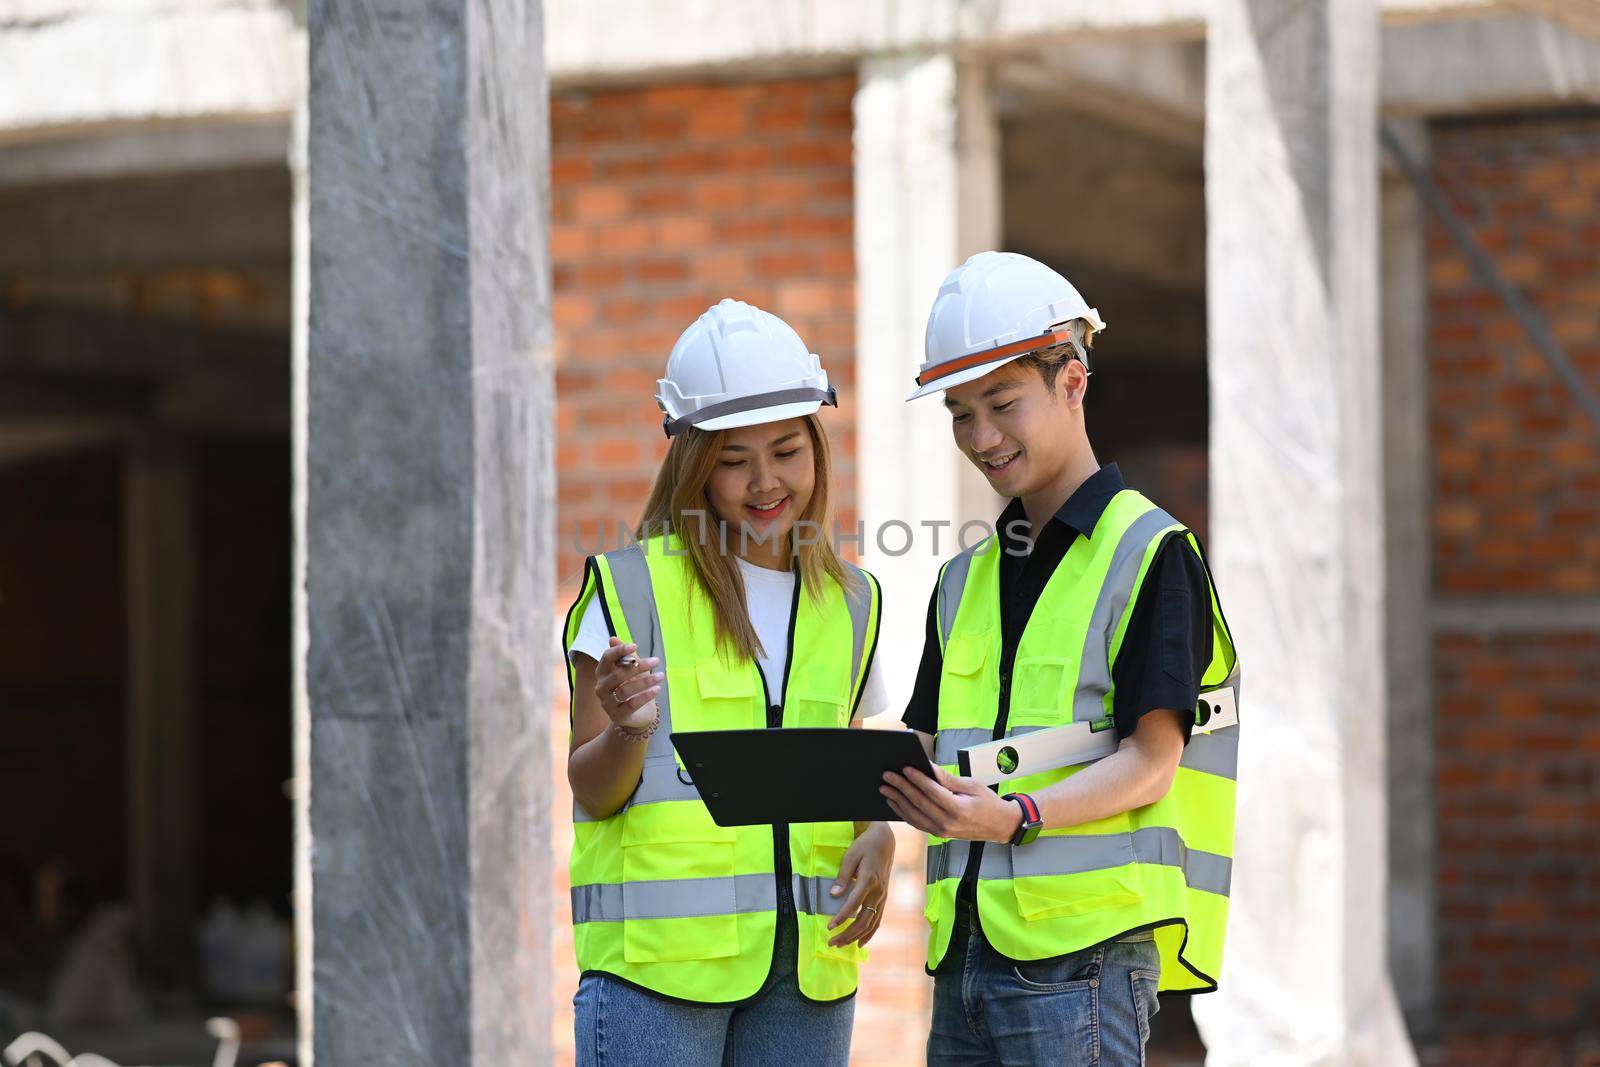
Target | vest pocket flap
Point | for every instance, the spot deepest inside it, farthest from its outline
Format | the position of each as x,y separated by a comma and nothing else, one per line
652,824
715,679
965,653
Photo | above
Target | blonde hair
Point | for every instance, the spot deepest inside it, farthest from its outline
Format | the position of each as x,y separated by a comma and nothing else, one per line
679,495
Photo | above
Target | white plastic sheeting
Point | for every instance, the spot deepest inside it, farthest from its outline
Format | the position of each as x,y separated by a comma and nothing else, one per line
1297,536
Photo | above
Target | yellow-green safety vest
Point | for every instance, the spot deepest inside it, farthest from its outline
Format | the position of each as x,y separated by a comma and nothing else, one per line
663,897
1165,866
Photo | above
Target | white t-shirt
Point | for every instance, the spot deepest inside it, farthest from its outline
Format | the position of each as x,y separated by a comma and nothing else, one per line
769,595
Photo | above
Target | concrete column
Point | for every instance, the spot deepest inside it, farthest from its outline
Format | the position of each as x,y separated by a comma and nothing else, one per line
423,441
158,517
1297,493
927,179
1408,546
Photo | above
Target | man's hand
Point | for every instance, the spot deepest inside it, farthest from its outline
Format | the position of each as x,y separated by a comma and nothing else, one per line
947,806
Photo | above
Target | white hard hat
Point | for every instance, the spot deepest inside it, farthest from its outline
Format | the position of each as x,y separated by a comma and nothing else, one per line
737,365
996,307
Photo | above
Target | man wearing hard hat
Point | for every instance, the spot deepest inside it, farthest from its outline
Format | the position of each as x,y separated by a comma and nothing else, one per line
1065,898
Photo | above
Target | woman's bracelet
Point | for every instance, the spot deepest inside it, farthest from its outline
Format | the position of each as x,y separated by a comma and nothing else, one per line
633,737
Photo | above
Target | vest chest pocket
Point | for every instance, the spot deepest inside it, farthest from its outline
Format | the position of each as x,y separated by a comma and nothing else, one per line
1041,690
679,900
964,654
725,696
816,709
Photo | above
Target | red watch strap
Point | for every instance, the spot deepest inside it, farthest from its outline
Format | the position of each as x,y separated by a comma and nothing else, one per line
1030,807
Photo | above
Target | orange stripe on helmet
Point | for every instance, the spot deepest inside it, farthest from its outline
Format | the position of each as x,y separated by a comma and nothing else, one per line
1049,339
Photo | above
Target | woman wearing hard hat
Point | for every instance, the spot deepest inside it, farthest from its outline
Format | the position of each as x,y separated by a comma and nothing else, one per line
700,943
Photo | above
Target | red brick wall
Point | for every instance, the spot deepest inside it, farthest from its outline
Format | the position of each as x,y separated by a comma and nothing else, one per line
1517,463
665,200
1519,831
1517,513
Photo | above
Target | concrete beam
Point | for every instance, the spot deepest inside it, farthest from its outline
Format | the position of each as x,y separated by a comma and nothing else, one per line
1408,548
1297,528
1155,89
139,61
423,447
1487,64
142,60
147,148
1580,16
926,180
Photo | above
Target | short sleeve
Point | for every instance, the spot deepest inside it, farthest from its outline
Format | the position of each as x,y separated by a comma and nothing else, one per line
1167,646
592,638
874,692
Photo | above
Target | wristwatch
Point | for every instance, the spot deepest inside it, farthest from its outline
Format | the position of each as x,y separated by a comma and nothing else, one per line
1032,820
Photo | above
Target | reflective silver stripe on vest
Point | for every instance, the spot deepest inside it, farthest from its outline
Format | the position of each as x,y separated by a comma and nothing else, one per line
1214,753
860,614
1080,853
635,597
951,584
674,898
1094,665
946,743
811,896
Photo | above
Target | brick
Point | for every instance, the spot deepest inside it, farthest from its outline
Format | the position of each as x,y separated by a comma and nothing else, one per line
663,199
1449,272
682,232
1522,268
625,238
597,203
778,191
786,264
717,122
720,195
662,270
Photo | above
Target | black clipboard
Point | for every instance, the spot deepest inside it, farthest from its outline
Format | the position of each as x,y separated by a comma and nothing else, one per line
797,774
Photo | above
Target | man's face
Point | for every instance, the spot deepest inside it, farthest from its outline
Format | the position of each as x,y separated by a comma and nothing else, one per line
1013,428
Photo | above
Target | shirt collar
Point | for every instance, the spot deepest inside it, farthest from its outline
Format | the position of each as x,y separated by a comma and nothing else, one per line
1082,510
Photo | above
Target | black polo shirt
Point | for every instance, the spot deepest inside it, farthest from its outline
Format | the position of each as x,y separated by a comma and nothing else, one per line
1164,652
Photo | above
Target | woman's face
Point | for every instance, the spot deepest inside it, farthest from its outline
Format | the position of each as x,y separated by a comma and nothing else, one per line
763,480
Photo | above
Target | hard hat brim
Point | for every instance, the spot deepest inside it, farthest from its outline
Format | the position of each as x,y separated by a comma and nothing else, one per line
757,416
961,377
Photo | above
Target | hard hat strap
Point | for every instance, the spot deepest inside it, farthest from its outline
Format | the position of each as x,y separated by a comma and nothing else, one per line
674,427
1056,335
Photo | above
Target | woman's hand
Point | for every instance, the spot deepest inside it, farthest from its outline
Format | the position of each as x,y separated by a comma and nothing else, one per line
864,878
627,694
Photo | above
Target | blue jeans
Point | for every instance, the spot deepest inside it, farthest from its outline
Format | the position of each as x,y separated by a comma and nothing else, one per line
1089,1009
617,1025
